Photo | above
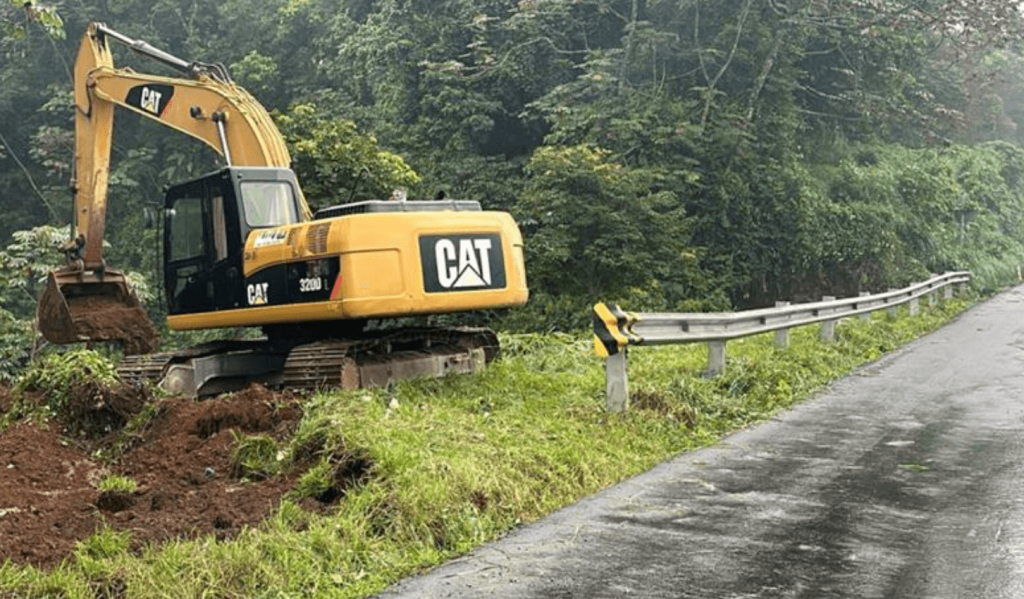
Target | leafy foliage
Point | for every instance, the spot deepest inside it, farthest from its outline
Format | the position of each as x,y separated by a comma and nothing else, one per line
55,374
24,263
587,210
16,339
336,164
32,13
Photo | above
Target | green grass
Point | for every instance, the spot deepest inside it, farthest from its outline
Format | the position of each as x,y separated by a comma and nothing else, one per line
432,468
117,484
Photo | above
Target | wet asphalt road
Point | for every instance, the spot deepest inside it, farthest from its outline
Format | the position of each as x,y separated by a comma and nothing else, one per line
904,480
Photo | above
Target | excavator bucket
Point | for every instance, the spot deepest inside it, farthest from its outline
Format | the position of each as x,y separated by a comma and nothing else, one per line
81,307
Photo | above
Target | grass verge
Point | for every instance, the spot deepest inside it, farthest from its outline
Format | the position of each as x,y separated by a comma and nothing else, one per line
430,469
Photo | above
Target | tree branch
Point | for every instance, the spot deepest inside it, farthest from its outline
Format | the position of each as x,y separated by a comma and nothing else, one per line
710,93
28,176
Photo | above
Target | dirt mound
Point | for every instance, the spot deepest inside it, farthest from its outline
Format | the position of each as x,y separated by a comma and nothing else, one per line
95,410
180,460
46,495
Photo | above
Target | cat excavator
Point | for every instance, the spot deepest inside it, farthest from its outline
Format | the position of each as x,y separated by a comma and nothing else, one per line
242,248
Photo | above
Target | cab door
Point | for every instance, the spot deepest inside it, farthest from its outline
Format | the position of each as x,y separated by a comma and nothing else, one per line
202,246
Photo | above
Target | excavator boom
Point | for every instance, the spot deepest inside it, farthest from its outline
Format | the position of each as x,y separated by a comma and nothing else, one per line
85,300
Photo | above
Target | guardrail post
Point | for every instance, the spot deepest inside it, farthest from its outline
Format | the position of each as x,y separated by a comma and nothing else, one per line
781,335
892,311
933,298
828,327
864,315
961,289
914,306
617,383
716,358
947,292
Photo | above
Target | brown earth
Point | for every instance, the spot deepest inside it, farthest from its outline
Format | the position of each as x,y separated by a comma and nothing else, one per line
95,312
101,319
181,460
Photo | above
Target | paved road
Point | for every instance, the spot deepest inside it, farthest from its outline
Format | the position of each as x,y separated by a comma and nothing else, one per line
905,480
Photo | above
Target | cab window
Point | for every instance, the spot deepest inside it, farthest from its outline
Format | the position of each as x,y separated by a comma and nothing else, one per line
268,204
185,223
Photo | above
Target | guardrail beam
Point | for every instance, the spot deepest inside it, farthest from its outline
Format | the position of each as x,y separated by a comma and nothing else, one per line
615,329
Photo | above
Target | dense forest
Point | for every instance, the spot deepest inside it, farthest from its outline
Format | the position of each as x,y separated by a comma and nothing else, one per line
669,155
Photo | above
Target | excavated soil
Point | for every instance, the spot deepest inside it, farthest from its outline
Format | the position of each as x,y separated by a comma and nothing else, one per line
104,318
107,316
180,460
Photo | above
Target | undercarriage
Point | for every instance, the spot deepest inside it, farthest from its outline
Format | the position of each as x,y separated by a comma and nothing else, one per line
373,359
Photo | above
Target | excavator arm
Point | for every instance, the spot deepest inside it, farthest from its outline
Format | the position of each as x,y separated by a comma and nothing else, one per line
200,106
85,300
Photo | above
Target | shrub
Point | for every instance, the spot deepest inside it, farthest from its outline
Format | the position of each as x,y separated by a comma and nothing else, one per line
57,374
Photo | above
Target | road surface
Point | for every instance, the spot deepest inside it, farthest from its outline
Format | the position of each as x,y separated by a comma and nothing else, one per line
903,480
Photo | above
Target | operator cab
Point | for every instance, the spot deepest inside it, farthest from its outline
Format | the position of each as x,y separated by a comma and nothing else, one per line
206,223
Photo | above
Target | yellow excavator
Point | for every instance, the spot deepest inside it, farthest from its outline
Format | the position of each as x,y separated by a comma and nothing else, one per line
241,248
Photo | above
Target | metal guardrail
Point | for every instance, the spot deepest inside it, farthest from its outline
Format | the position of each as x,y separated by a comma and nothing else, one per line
615,330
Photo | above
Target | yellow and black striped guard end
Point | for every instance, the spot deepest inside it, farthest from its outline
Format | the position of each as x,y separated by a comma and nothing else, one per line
611,329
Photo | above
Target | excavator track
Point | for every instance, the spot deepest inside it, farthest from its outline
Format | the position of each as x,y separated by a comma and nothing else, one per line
376,359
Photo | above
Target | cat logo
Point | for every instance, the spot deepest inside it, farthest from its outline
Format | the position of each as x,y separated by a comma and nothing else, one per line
150,100
467,266
462,263
257,294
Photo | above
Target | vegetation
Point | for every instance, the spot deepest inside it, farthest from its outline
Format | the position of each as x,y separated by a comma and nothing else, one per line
255,456
431,468
117,484
686,155
55,375
668,156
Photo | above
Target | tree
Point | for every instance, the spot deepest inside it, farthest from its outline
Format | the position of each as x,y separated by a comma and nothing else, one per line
335,163
596,228
18,16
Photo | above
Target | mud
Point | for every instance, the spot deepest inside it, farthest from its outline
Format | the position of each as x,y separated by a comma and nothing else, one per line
180,459
102,318
95,410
